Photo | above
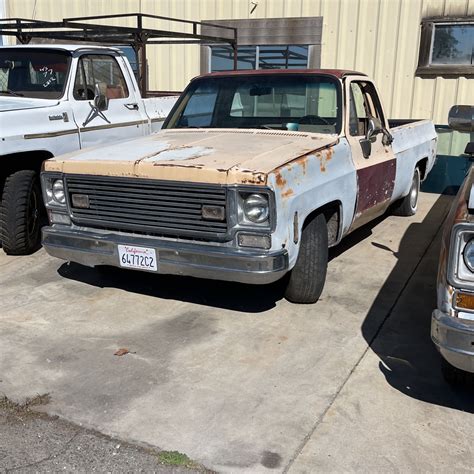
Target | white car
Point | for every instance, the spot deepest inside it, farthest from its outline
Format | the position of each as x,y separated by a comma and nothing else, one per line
56,99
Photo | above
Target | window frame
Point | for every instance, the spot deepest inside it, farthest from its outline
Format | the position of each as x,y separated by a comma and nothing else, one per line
80,65
425,67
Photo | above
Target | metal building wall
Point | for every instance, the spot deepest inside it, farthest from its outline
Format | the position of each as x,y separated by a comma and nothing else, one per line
379,37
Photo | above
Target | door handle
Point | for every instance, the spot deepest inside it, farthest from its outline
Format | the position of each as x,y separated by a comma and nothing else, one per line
132,106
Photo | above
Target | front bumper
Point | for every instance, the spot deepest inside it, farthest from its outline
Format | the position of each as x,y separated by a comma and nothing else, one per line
94,248
454,339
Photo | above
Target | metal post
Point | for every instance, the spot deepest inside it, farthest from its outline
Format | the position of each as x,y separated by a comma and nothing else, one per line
141,40
143,70
234,47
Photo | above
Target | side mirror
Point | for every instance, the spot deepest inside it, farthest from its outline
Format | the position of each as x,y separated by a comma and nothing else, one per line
374,127
469,149
461,118
101,101
366,146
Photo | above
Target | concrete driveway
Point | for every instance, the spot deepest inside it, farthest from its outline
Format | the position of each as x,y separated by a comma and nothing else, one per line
235,376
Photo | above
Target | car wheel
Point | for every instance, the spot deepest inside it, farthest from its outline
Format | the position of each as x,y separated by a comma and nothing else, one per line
306,279
409,204
21,213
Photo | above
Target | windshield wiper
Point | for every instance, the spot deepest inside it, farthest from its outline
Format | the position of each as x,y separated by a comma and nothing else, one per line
10,92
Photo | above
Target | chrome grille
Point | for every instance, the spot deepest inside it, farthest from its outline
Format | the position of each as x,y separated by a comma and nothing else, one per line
147,206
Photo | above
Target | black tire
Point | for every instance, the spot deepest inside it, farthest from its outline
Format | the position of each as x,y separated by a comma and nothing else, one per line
456,377
408,205
21,213
307,278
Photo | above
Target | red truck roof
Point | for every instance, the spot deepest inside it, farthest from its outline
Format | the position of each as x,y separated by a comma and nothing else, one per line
338,73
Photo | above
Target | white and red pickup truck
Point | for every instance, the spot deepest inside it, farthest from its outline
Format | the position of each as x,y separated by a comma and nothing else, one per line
56,99
254,175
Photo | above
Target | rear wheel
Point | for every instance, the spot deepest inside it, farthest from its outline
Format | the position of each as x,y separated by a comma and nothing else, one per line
307,278
409,204
21,213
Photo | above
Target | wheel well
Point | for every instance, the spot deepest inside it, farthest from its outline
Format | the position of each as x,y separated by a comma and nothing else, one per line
332,213
30,160
421,165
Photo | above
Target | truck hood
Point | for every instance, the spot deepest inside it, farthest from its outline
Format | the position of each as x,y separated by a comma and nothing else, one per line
223,156
9,103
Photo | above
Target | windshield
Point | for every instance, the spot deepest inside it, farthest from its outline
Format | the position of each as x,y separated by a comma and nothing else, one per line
302,102
34,73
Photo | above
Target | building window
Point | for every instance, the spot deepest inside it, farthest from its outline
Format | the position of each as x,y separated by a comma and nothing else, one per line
446,48
259,57
265,43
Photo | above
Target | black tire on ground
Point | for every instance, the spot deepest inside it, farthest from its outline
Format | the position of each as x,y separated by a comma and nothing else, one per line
408,205
21,213
456,377
306,279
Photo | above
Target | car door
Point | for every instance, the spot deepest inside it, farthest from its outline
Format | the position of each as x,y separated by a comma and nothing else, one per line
122,117
376,172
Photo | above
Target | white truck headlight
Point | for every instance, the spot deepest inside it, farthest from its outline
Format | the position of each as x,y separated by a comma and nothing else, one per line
468,255
58,191
256,208
54,193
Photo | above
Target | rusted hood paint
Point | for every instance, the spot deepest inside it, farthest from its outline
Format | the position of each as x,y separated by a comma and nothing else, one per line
224,156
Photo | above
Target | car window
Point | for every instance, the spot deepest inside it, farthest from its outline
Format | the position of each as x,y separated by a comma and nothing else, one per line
309,103
200,107
102,71
363,103
34,73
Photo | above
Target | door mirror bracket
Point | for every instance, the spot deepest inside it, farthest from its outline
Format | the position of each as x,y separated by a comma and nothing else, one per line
101,101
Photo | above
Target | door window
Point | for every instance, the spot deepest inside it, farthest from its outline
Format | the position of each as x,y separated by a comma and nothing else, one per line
102,71
363,103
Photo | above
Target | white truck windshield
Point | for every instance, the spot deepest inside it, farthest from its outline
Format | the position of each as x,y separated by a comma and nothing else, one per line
33,73
304,102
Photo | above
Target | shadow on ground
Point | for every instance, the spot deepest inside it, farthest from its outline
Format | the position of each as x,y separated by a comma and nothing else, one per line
408,358
219,294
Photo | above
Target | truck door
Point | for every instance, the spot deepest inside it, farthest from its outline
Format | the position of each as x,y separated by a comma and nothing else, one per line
375,173
122,118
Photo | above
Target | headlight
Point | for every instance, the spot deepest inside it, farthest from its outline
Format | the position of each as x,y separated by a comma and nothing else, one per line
256,208
58,191
468,255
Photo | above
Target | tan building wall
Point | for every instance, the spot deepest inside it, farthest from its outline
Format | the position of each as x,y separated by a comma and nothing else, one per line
378,37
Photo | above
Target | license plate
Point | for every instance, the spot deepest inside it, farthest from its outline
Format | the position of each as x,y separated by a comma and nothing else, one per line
140,258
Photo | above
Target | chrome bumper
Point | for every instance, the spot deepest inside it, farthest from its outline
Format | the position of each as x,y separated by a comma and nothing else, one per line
94,248
454,338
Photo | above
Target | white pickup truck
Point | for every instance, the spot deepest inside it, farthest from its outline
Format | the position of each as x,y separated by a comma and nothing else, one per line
56,99
254,175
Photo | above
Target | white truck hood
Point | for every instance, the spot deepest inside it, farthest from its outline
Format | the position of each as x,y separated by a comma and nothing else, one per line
9,103
223,156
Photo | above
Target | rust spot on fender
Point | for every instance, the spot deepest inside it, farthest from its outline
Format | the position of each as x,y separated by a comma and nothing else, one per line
323,158
280,181
289,192
252,177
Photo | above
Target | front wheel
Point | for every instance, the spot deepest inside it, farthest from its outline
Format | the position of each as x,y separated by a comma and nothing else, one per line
21,213
307,278
408,205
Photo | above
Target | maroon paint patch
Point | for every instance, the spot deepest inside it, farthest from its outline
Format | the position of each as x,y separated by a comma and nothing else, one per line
375,185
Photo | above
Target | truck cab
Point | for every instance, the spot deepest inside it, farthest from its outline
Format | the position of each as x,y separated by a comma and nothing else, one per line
55,99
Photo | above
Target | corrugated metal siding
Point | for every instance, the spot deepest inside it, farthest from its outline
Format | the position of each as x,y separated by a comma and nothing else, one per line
379,37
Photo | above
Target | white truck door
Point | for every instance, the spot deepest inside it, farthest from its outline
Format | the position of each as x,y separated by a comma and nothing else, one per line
122,119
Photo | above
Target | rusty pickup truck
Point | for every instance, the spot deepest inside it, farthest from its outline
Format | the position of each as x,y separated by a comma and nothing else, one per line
254,175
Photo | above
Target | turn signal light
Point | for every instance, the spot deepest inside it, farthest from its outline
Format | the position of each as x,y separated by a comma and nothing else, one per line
465,300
